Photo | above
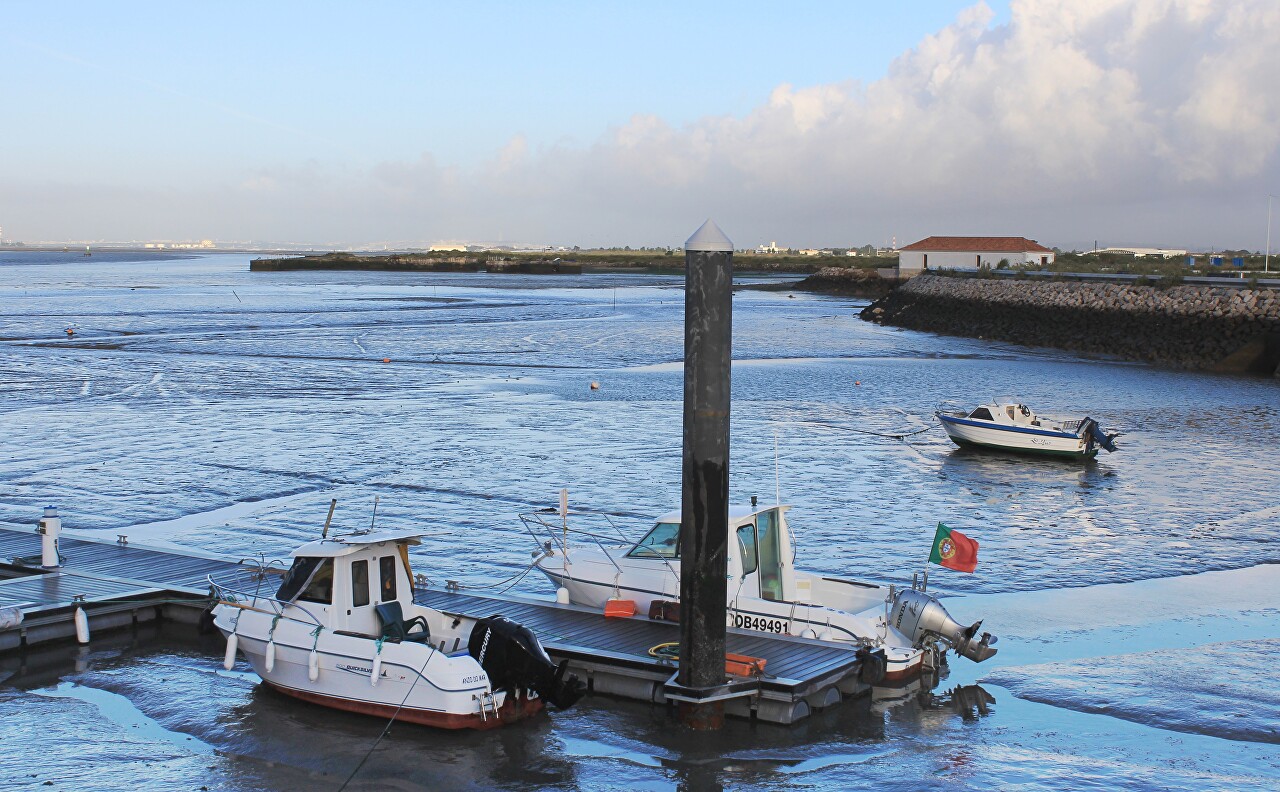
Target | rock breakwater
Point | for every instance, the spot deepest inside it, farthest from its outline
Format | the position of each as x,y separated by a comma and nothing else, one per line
1200,327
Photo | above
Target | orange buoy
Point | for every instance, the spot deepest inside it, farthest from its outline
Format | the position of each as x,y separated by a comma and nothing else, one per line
595,386
71,331
386,360
857,382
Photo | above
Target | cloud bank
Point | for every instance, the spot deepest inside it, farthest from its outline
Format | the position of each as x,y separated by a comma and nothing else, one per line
1125,121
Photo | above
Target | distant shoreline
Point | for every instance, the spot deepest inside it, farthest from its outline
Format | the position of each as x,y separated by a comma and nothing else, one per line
574,263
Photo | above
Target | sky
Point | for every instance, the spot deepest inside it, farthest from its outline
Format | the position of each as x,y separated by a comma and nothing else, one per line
1120,122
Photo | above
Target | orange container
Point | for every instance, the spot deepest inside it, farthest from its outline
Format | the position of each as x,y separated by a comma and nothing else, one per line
743,665
619,608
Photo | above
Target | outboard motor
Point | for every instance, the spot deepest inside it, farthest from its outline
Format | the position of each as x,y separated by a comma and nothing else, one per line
513,658
919,615
1092,430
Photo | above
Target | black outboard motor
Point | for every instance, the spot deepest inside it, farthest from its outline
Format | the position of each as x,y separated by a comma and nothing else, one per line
1092,430
513,658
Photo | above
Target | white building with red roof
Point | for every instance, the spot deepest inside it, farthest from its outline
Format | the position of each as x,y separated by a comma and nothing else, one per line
959,251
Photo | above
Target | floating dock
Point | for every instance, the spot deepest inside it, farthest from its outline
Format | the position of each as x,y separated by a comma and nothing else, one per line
117,584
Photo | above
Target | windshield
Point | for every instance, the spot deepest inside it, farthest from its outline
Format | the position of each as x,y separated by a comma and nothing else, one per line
662,542
304,572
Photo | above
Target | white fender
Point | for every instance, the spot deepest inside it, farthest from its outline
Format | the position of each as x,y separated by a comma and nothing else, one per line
825,635
82,626
271,656
562,595
377,668
233,643
313,666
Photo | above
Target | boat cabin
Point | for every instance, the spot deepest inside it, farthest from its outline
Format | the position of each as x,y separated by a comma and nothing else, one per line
760,551
1009,413
343,579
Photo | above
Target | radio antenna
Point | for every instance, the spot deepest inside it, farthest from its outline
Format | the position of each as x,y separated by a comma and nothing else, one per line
333,504
777,482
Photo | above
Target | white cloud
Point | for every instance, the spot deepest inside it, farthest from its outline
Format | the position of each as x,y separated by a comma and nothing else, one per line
1138,121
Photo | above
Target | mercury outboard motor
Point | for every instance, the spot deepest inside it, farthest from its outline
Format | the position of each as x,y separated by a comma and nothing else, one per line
513,658
919,615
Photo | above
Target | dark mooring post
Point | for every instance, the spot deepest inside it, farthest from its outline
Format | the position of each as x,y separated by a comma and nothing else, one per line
704,492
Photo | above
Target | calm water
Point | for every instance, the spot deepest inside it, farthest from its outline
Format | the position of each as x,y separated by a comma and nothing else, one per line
201,405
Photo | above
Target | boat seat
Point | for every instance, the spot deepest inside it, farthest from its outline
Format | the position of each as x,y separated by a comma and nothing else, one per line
396,628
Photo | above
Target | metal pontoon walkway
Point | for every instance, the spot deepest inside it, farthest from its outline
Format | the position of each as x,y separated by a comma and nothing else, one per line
118,584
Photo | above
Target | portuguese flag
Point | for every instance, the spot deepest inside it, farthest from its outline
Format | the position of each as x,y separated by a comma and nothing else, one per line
954,550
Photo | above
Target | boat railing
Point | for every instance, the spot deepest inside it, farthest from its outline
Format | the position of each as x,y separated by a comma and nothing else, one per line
951,408
551,535
243,588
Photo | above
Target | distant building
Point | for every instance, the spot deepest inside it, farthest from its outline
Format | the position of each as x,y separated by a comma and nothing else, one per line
948,251
810,252
772,247
1138,252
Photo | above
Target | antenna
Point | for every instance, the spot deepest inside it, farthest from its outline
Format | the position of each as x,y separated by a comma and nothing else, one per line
333,504
564,515
375,512
777,485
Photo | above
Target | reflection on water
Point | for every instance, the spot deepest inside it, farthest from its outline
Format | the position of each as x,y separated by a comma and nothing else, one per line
201,405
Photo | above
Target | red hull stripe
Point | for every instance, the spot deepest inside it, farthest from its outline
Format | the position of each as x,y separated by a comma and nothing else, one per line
904,673
512,710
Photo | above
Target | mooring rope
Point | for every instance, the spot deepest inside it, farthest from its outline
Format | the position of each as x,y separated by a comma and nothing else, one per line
392,720
513,580
890,435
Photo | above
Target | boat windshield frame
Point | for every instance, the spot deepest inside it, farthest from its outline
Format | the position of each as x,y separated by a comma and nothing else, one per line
243,587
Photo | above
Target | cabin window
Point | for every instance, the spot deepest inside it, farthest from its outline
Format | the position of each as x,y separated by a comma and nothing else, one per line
770,558
359,583
662,542
387,569
747,540
298,576
320,587
982,413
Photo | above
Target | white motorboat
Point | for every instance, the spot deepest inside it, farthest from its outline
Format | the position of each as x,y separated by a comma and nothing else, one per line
340,628
1009,425
905,629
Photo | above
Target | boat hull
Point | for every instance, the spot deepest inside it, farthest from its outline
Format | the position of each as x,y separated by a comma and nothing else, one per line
805,620
969,433
424,684
512,710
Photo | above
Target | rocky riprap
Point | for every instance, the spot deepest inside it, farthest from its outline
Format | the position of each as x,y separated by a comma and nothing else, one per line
1200,327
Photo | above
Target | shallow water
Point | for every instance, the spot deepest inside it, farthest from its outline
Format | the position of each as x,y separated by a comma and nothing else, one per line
196,403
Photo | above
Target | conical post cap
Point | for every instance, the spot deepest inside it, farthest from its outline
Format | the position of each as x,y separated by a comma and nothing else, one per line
709,238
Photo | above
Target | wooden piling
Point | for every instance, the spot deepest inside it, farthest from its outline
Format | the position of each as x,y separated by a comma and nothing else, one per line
704,495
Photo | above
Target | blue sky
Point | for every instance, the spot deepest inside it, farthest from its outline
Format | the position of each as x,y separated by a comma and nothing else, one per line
124,87
410,122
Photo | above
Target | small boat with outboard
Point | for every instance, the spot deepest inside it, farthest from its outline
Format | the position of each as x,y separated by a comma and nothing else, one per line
905,628
340,628
1009,425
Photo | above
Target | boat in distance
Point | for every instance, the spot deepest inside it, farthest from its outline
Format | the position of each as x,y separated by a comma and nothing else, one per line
1009,425
340,628
904,630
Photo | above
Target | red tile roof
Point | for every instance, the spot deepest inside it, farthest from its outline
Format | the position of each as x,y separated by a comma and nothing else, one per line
954,244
